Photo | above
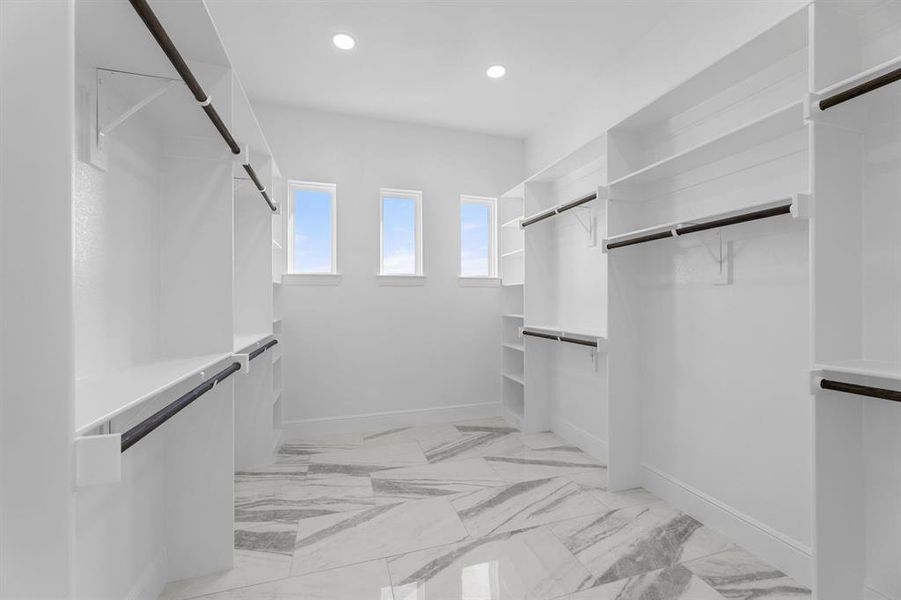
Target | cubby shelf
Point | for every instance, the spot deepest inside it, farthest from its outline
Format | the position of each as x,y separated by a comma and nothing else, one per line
517,377
769,127
514,316
101,397
512,284
512,253
516,347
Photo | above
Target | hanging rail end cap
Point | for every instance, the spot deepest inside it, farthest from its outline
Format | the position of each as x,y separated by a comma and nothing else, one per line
802,206
243,360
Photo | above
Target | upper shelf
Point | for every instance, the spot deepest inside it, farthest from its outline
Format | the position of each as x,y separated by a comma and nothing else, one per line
584,155
864,368
769,127
103,397
245,341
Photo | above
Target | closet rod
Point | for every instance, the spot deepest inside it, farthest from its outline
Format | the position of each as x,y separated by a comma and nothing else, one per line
165,42
558,210
860,390
861,89
561,338
145,427
684,229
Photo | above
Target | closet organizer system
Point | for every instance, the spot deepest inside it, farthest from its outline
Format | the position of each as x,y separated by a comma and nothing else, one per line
178,245
785,152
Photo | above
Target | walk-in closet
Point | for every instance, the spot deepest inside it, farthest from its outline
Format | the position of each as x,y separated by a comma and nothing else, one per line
376,300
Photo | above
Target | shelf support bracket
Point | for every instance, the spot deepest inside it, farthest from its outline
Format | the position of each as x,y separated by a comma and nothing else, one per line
98,459
244,361
107,128
589,226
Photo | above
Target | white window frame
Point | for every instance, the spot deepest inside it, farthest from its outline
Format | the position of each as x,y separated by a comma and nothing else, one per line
416,196
491,203
331,188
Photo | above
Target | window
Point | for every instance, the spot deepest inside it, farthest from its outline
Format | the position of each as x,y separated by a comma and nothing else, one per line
401,233
478,246
311,238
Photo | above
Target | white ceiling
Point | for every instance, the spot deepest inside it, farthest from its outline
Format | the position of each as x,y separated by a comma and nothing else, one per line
425,61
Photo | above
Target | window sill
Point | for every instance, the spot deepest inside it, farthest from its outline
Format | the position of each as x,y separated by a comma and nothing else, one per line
479,281
311,278
400,280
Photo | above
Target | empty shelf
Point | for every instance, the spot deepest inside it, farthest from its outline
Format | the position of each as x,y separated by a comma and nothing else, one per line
518,378
514,316
865,368
517,347
100,398
249,339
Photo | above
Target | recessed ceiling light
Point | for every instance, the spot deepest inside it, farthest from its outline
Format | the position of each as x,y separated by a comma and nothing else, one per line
496,71
343,41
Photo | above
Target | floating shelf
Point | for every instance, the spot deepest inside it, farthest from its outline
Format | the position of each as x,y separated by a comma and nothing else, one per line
516,347
515,377
103,397
769,127
864,368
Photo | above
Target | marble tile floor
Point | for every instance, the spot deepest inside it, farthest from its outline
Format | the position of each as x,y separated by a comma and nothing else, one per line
466,511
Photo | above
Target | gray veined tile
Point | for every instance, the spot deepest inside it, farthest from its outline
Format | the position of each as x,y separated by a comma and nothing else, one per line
249,568
320,494
425,436
268,479
494,424
272,537
449,478
523,565
539,441
368,459
302,450
347,538
595,482
476,442
738,574
365,581
674,583
635,540
524,463
524,504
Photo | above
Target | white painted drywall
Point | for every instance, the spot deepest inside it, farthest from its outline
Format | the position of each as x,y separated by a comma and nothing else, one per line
665,55
36,347
360,348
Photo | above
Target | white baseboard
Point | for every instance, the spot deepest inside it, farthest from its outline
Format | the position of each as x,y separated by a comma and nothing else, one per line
585,441
150,584
301,428
786,554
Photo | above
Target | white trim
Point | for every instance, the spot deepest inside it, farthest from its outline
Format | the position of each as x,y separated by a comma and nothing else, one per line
332,189
311,278
479,281
785,553
585,441
416,197
300,428
491,203
151,581
400,280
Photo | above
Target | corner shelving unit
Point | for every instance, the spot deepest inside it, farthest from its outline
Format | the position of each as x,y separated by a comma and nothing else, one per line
512,279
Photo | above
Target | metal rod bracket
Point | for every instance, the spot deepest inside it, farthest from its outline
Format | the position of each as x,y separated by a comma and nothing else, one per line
244,361
802,206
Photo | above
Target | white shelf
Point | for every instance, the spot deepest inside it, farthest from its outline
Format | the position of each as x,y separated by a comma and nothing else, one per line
563,331
103,397
871,73
518,252
514,284
276,396
774,125
513,316
865,368
698,220
594,150
513,222
516,347
244,341
515,377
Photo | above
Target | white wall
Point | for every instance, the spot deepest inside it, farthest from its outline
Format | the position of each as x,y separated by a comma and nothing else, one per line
692,37
360,348
36,362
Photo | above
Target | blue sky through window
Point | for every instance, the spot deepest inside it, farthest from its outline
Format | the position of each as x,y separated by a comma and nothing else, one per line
312,231
475,239
398,236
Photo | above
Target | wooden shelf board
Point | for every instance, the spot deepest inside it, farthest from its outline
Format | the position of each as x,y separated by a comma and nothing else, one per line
771,126
102,397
